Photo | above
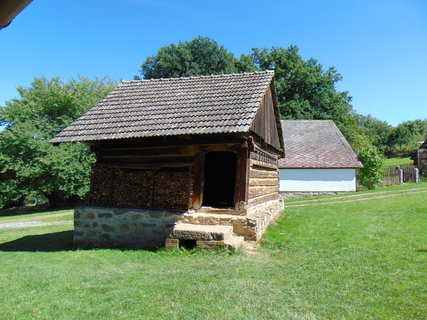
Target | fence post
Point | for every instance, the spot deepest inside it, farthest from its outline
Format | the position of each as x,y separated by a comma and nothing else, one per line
417,175
400,175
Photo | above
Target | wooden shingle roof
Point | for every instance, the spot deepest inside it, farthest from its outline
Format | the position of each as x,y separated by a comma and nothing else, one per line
175,106
316,144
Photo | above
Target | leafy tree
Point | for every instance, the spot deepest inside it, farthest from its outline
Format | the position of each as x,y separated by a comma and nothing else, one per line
304,89
400,137
200,56
416,127
378,131
29,164
370,174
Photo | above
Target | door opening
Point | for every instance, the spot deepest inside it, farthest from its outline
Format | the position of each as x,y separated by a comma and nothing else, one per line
219,179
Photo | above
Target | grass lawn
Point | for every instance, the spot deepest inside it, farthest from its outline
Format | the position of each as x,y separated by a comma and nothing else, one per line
405,161
356,260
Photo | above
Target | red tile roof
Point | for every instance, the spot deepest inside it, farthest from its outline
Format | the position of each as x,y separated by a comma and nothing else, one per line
316,144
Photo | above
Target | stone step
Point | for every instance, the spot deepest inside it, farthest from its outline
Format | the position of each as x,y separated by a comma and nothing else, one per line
234,242
186,231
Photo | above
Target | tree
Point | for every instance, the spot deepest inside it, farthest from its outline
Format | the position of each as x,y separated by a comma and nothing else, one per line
416,127
200,56
399,137
29,164
304,89
378,131
370,174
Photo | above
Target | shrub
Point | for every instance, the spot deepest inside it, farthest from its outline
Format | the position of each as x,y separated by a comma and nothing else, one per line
370,175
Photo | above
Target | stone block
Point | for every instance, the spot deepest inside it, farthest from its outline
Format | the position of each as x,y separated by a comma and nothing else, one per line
171,244
209,244
105,215
124,227
107,228
200,232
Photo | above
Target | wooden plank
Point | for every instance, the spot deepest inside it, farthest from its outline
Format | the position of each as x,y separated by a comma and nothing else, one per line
148,166
264,124
263,182
159,162
265,198
198,173
259,191
166,141
255,173
149,152
241,189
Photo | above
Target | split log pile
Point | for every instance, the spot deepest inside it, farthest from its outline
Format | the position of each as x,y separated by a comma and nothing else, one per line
101,186
172,190
132,188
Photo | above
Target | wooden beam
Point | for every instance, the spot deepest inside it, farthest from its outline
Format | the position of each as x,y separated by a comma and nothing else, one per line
198,176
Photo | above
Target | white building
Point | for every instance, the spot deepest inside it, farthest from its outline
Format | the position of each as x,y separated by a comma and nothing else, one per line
318,159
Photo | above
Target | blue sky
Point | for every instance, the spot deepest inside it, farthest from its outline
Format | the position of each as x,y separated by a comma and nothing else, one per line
379,47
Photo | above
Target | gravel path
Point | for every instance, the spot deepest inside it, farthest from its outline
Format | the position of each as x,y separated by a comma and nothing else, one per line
315,203
18,219
34,223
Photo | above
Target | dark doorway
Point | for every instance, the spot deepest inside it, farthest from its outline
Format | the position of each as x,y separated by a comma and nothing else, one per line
219,182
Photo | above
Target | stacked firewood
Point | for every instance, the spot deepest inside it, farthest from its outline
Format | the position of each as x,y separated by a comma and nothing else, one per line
171,190
101,186
131,188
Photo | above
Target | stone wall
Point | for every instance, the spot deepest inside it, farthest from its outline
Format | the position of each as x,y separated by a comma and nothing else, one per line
109,227
262,214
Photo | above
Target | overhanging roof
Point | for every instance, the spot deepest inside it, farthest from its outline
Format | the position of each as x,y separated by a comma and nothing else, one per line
9,9
175,106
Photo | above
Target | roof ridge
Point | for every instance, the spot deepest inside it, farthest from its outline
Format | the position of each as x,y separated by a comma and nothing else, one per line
198,77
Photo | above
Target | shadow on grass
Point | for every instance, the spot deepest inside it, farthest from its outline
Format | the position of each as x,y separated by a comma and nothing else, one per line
48,242
57,241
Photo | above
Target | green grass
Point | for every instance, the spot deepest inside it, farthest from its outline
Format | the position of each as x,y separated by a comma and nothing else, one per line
365,193
361,260
391,162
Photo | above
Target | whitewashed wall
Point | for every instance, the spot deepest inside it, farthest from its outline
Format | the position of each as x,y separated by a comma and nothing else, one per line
317,180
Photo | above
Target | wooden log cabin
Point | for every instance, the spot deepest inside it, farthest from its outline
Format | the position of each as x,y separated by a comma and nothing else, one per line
420,158
181,161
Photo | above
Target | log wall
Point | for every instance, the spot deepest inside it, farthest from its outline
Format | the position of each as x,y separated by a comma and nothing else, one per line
263,183
158,175
170,177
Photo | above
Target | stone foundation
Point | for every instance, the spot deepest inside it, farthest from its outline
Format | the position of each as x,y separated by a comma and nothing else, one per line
251,226
142,228
108,227
303,194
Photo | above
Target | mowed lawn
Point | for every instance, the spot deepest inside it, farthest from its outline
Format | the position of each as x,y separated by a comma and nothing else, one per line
400,161
352,260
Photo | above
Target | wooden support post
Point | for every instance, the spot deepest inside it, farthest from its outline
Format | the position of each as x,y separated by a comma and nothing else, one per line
242,176
197,176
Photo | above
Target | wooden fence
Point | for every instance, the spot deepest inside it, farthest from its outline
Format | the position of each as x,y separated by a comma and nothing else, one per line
391,176
410,174
396,175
